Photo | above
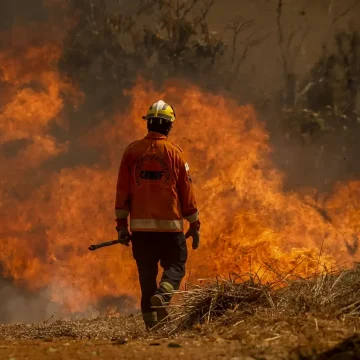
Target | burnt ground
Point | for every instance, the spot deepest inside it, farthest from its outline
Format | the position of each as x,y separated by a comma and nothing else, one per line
254,337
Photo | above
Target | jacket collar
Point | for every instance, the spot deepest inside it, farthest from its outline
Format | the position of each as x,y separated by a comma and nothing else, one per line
155,136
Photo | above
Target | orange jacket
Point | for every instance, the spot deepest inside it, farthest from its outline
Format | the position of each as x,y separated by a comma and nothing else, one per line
154,186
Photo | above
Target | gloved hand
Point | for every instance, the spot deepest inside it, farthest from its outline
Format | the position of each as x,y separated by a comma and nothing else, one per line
194,232
124,236
123,231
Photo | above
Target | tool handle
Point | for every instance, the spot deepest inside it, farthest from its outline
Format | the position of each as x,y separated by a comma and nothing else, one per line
107,243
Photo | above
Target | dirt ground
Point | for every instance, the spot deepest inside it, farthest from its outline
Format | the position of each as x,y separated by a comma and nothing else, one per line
185,349
258,338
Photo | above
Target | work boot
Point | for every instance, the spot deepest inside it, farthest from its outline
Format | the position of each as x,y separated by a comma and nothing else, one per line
159,305
150,319
150,325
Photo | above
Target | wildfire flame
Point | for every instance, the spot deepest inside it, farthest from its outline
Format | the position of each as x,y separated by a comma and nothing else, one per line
248,221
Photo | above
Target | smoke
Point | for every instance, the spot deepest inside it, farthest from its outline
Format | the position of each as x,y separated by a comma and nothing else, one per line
13,12
19,305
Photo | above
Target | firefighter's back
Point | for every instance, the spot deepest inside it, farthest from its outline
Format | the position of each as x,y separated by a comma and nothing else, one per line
154,167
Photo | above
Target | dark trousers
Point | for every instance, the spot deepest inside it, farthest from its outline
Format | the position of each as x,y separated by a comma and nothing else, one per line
148,249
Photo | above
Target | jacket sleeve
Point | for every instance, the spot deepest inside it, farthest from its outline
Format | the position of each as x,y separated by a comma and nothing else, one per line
122,202
186,192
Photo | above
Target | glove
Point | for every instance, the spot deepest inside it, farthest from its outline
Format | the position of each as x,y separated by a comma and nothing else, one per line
123,232
194,232
124,236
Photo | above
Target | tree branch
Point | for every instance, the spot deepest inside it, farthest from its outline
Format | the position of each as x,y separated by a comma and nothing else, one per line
298,48
191,6
204,12
279,12
238,26
346,11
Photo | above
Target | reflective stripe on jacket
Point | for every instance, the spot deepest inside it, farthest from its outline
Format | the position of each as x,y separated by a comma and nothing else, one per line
154,186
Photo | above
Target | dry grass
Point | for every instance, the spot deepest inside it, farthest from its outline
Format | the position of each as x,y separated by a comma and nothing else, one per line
334,294
129,327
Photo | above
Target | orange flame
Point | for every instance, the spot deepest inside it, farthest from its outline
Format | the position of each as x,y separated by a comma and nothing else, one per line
249,221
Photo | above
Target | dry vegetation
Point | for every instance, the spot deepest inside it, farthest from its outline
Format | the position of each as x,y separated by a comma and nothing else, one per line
298,318
334,294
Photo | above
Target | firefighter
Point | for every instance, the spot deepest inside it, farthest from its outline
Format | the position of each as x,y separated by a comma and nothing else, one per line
155,190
